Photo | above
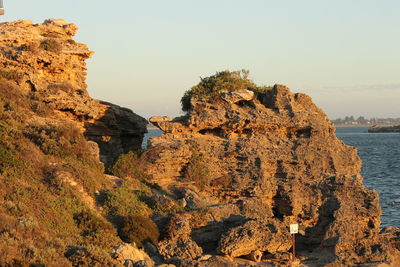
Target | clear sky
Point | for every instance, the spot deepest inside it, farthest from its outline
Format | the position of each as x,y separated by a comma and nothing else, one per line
344,53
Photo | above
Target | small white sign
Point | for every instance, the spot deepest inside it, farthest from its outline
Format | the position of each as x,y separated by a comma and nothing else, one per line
294,228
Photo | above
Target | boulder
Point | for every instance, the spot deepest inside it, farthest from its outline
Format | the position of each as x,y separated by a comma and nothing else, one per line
178,244
254,237
132,256
236,96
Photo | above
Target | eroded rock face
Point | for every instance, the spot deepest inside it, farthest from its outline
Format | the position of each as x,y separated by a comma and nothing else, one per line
255,236
179,244
49,65
272,160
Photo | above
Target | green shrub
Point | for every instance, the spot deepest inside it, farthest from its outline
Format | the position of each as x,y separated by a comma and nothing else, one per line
64,86
60,140
13,75
91,224
10,162
51,45
159,204
88,172
224,81
12,99
32,47
123,202
197,171
24,47
223,181
139,229
129,165
7,159
41,108
89,256
41,211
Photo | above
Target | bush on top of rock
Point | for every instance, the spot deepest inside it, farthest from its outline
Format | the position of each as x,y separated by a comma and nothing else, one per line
223,81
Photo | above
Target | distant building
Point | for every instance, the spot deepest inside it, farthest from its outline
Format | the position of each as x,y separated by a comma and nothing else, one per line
1,7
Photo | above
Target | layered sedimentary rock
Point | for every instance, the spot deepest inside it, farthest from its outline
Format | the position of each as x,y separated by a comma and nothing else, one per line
271,160
49,65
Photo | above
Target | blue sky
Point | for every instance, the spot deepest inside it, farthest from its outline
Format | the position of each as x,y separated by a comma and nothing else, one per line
344,53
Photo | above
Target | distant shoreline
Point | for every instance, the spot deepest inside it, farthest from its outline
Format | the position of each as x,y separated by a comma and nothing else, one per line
153,127
352,125
364,125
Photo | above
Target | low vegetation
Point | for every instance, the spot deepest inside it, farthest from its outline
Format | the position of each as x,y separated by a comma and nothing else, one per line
50,182
64,86
139,229
30,47
197,171
129,165
13,75
224,81
57,206
51,45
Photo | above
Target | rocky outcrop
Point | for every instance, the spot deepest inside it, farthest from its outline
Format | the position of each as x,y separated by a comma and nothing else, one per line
253,236
130,255
250,166
384,129
48,65
179,244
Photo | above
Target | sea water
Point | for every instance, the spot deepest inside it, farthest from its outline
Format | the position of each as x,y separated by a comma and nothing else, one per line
380,155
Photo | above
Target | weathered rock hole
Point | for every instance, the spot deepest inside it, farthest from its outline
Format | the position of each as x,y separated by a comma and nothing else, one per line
371,224
304,132
247,131
244,103
207,237
214,131
253,256
377,248
43,63
258,163
282,205
31,86
280,173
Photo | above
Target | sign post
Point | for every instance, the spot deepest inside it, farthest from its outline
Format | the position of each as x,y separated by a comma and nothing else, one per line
294,229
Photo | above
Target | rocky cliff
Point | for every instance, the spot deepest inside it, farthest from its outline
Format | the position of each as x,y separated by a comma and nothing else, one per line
247,166
57,207
47,64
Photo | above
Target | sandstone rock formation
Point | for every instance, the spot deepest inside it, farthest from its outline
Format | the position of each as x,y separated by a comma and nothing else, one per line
263,163
49,65
179,244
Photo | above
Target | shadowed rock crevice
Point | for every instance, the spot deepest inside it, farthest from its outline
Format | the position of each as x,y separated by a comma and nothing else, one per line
215,131
117,131
282,205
